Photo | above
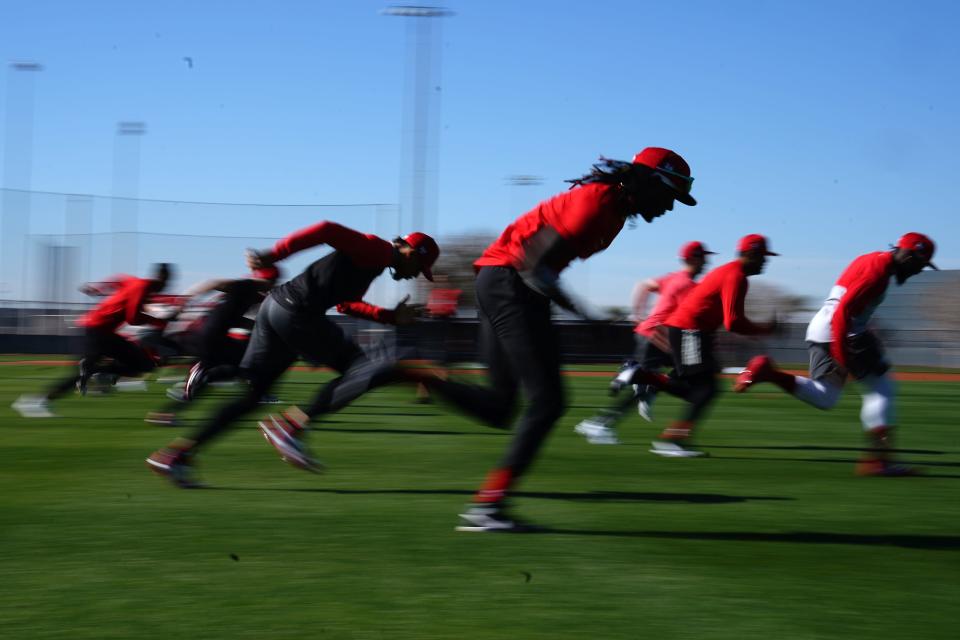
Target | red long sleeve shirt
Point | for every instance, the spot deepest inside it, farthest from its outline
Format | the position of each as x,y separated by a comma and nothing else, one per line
340,279
718,299
365,250
124,305
588,217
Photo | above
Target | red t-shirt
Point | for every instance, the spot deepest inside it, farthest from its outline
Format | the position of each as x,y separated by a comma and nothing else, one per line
588,217
125,305
718,299
672,289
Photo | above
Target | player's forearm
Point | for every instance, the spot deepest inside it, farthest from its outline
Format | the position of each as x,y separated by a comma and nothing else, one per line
368,312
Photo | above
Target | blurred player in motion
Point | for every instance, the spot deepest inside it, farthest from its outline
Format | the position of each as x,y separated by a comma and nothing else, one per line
441,307
653,345
717,300
105,351
518,278
292,323
840,343
219,353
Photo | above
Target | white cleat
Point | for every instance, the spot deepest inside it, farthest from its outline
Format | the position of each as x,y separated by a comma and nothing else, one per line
645,405
292,449
596,432
33,407
674,450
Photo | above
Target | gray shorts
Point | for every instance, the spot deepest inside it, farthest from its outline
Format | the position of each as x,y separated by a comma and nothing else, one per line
822,365
865,357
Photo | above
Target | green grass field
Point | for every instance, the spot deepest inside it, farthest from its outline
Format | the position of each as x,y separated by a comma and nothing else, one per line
771,537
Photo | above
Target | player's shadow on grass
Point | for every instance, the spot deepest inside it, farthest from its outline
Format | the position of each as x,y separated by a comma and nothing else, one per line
908,541
586,496
926,452
849,461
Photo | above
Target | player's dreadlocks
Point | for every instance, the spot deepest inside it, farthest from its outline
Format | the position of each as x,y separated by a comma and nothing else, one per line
630,176
609,171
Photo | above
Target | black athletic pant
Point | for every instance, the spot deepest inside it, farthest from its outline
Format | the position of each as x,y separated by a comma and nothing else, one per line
220,357
520,346
128,359
279,337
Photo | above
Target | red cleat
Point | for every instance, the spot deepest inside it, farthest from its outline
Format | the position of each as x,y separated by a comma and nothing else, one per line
884,469
758,369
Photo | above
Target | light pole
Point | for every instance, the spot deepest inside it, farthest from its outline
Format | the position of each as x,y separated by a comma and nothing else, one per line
124,210
17,172
421,113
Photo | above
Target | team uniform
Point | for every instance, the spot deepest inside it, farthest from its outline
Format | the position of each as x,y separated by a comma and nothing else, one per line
840,343
652,345
517,278
292,322
718,300
105,351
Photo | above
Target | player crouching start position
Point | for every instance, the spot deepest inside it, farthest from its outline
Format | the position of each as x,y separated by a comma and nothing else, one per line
840,343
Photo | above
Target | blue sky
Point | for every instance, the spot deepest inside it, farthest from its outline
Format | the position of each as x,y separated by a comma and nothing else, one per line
829,126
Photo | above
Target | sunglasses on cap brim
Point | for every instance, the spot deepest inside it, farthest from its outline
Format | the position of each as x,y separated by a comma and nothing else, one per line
685,181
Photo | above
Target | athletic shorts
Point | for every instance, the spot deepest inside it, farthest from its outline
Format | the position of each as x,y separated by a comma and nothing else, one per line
692,352
865,357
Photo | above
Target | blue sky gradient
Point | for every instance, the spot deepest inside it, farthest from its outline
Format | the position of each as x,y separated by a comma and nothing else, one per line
831,127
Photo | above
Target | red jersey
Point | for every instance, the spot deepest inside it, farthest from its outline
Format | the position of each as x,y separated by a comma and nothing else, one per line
673,287
851,302
124,305
588,217
718,299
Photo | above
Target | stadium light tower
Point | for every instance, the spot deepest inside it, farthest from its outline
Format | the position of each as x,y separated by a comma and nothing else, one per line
420,120
17,173
124,210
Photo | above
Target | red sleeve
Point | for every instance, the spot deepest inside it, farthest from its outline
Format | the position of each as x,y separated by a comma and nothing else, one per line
360,309
106,287
733,295
365,250
854,300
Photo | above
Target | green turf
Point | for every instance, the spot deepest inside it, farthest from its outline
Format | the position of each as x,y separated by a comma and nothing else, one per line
771,537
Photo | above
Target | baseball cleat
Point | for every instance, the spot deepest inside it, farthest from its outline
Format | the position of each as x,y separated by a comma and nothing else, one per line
479,519
597,432
196,380
176,394
670,449
758,369
885,468
161,417
625,377
33,407
645,399
174,465
286,436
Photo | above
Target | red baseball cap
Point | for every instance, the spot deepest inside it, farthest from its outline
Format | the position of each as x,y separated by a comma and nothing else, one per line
270,274
695,249
427,249
671,168
920,245
754,242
